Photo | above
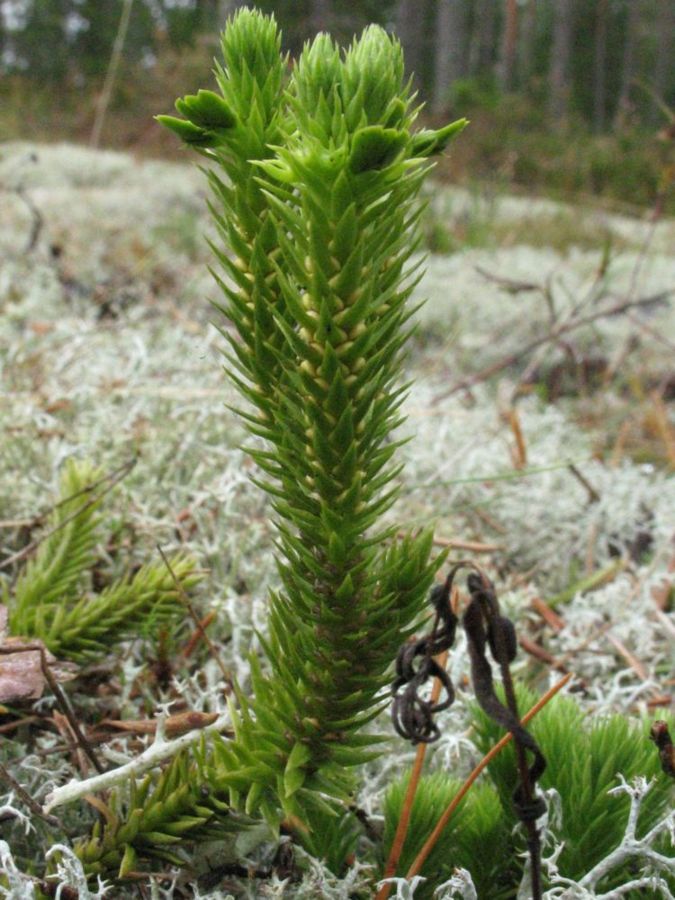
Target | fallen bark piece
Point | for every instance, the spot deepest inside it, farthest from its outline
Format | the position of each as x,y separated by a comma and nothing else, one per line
22,676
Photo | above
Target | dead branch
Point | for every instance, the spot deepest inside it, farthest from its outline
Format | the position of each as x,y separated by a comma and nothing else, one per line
554,334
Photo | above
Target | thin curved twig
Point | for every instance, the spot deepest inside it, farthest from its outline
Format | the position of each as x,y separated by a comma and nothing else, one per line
552,335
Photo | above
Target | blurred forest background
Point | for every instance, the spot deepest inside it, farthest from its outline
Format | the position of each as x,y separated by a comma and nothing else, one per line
572,98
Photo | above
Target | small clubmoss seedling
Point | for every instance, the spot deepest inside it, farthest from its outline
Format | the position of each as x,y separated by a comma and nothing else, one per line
51,599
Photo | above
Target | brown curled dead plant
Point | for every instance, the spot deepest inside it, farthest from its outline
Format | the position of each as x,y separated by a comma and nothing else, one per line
486,629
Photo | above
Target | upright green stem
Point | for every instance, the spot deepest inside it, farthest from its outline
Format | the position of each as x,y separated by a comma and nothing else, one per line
322,236
314,194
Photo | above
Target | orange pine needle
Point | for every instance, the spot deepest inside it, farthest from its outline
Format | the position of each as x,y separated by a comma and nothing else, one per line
445,818
620,443
520,449
198,634
664,428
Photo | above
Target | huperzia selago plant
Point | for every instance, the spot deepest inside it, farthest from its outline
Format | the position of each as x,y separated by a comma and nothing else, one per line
322,236
314,180
318,205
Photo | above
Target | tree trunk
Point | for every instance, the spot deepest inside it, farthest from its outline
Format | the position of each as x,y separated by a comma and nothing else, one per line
527,38
665,25
600,66
449,53
409,26
481,54
628,63
560,56
509,43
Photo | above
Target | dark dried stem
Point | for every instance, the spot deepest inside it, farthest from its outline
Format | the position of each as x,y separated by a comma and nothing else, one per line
533,837
37,223
67,711
593,495
661,736
26,798
185,600
525,798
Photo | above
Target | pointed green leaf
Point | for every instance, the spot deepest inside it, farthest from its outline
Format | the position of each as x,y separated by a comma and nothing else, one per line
207,110
375,147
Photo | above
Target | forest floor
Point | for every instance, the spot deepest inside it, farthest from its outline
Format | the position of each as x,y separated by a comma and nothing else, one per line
540,415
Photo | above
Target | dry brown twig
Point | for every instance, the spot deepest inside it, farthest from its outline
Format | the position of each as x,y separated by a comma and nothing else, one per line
552,619
519,451
78,758
620,443
461,544
664,427
197,634
185,600
20,723
632,661
540,653
551,336
469,546
26,798
593,495
37,219
67,711
37,223
174,726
